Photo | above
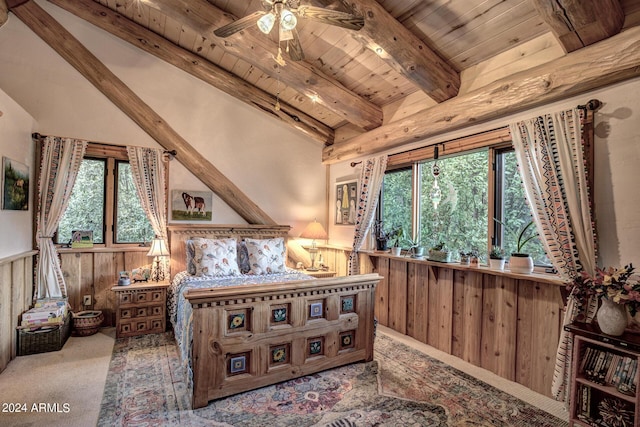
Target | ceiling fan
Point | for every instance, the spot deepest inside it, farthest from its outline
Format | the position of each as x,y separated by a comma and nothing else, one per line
285,13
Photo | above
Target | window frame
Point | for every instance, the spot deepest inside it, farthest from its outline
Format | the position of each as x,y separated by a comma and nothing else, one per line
111,154
496,142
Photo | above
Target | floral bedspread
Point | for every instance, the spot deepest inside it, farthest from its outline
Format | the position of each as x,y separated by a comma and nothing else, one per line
181,313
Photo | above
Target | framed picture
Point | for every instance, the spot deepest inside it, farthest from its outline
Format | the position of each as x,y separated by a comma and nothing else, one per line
81,239
15,189
188,205
345,202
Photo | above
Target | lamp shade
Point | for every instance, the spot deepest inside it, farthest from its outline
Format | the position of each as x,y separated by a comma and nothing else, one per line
266,23
158,248
314,230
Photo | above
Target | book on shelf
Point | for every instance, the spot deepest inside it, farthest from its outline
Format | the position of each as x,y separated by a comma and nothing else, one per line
609,368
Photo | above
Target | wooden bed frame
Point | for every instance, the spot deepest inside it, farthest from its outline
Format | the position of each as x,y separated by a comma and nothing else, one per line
251,336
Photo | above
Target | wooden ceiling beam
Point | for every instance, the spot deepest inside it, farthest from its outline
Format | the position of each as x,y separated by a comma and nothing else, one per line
78,56
259,51
579,23
112,22
405,52
3,12
606,62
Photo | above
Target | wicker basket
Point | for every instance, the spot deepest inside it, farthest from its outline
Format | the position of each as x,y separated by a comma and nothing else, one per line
87,323
43,339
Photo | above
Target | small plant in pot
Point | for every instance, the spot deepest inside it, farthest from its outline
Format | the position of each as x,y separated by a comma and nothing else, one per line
440,253
520,261
416,249
496,258
465,257
381,235
396,236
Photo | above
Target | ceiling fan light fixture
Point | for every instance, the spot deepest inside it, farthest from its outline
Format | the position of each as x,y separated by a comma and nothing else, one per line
288,20
265,24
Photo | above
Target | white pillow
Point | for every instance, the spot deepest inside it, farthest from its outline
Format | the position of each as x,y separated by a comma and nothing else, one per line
216,257
266,256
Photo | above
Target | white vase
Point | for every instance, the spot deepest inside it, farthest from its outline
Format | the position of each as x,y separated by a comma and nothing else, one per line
522,264
612,317
496,264
396,251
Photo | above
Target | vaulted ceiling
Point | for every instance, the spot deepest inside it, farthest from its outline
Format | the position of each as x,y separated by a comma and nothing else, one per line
410,54
417,68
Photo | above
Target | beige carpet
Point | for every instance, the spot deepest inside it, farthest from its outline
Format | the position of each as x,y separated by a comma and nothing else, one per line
76,375
65,386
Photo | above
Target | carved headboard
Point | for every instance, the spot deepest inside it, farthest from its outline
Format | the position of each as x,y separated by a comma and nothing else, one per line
178,235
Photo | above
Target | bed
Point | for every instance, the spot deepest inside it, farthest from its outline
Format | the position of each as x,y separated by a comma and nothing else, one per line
239,332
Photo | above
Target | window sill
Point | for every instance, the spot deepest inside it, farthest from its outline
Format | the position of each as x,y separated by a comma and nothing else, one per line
534,277
104,249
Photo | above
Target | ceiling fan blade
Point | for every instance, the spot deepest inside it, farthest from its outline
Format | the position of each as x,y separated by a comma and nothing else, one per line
295,48
331,17
239,25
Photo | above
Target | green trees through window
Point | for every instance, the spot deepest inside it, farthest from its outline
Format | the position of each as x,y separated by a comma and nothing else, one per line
89,210
463,219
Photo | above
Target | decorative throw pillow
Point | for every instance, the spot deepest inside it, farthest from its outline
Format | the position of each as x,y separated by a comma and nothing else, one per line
216,257
266,256
243,258
191,254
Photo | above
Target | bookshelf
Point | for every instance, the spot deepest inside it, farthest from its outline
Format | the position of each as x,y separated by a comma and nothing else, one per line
604,378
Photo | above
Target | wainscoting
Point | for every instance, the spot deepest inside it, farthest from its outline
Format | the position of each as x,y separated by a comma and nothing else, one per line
16,294
506,323
94,272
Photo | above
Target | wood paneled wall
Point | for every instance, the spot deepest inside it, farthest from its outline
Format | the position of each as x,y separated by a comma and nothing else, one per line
16,295
506,323
95,272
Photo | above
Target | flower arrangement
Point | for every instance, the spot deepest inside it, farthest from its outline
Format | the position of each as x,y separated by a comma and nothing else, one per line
615,284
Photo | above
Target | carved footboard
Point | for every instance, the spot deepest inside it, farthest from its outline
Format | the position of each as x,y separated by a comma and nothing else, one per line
252,336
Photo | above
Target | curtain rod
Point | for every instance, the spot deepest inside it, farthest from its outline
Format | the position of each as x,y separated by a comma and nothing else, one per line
36,135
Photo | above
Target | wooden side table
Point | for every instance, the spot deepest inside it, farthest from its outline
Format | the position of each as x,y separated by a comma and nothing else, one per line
320,273
141,308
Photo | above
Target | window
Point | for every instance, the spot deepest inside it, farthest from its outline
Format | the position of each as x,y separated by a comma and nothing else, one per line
461,218
395,203
511,209
106,203
464,217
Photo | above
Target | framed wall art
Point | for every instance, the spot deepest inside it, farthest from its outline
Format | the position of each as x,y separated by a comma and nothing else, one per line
345,202
188,206
15,188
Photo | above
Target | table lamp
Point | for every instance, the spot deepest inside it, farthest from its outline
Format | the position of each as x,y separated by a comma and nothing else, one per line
158,250
314,231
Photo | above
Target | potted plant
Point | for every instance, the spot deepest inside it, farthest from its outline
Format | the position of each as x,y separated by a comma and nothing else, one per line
520,261
465,257
396,235
381,235
474,258
496,258
440,253
416,249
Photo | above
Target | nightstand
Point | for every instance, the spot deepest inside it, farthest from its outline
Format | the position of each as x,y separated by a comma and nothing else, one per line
141,308
320,273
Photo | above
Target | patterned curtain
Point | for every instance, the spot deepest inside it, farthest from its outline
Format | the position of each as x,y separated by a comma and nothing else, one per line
370,182
549,151
61,158
148,170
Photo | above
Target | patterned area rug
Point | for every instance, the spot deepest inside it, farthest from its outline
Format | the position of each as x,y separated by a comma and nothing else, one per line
401,387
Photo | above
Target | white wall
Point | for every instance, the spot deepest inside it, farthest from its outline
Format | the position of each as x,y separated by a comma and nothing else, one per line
275,166
617,168
15,143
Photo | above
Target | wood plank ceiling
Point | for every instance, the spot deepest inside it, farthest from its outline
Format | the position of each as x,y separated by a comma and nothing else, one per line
411,60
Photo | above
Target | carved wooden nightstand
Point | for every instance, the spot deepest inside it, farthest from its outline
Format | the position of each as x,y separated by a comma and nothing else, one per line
141,308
